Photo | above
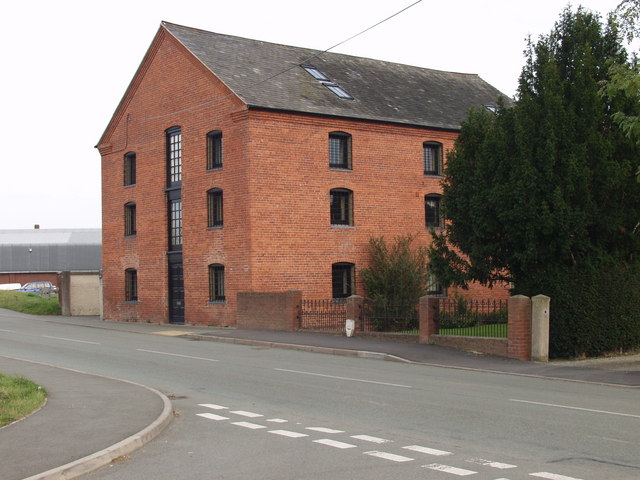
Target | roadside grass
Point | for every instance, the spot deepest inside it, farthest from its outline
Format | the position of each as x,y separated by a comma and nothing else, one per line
498,330
32,303
18,398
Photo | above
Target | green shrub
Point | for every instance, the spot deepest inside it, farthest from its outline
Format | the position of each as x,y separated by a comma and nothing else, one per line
595,310
27,302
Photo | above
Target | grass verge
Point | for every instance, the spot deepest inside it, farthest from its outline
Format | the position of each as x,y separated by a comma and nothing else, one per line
18,398
32,303
495,331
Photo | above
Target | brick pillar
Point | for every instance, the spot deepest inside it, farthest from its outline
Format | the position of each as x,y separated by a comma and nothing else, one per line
429,317
355,304
540,328
519,328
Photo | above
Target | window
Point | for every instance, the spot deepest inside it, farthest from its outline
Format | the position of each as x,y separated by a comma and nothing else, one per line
174,156
216,283
130,169
338,90
342,279
432,158
129,219
341,206
339,150
175,224
214,207
130,285
433,216
315,73
214,150
434,287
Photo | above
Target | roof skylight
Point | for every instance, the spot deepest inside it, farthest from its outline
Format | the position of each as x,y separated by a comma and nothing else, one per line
315,73
326,81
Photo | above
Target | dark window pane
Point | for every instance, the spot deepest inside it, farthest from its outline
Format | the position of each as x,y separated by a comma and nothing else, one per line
341,206
214,207
432,211
339,150
342,279
130,169
130,219
214,150
432,158
174,156
216,283
131,285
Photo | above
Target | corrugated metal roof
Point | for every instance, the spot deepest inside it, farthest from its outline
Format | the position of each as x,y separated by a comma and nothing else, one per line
50,250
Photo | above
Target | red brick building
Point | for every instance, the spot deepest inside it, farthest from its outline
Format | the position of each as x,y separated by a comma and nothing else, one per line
234,165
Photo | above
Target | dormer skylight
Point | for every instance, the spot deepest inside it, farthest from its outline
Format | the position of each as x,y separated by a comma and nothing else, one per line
326,81
315,73
338,90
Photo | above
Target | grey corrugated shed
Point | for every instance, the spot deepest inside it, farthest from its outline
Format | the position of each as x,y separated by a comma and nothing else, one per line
50,250
382,91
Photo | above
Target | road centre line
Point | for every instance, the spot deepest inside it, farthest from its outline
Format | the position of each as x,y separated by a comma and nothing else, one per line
8,331
343,378
70,339
575,408
177,355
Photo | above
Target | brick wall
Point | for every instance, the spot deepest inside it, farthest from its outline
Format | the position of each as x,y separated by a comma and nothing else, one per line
269,310
23,278
275,179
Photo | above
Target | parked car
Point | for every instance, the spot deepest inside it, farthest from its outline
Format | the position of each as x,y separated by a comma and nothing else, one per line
38,287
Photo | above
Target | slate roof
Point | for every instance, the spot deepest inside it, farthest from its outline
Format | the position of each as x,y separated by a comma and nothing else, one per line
381,91
50,250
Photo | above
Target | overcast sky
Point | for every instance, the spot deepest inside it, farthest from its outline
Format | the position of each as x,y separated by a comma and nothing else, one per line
66,65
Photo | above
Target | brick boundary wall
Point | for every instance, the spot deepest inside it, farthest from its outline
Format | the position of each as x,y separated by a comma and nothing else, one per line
269,310
528,330
25,277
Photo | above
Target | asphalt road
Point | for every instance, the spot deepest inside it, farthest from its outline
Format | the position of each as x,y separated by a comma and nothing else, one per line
254,412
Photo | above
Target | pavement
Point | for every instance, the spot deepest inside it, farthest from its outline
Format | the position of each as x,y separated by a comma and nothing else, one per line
104,418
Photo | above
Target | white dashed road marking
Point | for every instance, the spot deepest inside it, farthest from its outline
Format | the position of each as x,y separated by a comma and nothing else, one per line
252,426
552,476
369,438
287,433
461,472
70,340
575,408
428,451
389,456
333,443
213,406
247,414
177,355
324,430
343,378
492,464
212,416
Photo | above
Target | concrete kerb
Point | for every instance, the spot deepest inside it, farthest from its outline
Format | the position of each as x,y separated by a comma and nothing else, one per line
103,457
304,348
